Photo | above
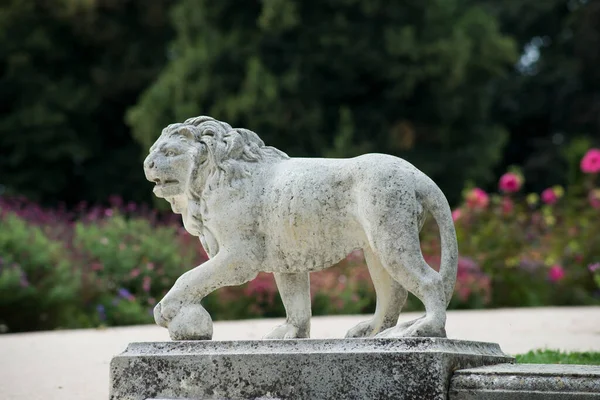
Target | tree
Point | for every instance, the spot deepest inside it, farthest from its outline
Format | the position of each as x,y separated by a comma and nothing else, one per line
341,77
68,71
552,100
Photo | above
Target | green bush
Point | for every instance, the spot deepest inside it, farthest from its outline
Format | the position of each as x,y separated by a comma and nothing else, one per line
130,264
39,288
100,266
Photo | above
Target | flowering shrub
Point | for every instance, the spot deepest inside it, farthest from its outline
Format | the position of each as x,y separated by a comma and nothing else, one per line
108,266
536,252
94,266
39,289
129,264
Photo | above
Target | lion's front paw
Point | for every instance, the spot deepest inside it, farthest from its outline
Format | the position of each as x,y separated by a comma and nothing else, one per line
167,308
287,331
363,329
161,317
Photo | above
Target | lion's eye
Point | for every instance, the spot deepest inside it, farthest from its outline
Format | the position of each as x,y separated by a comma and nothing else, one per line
169,153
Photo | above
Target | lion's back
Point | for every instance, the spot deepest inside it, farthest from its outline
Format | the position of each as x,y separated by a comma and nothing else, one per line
311,208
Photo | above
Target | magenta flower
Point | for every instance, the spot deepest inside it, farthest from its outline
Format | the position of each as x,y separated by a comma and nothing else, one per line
477,199
507,205
510,183
556,273
456,214
115,201
131,206
549,196
590,163
146,283
97,266
594,267
594,198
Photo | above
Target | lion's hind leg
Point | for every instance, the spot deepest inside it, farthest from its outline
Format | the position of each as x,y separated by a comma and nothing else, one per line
294,289
396,244
391,297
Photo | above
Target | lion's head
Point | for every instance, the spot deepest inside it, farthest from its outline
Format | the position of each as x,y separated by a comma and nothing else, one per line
203,150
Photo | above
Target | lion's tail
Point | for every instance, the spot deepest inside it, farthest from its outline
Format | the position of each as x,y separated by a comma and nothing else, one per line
434,200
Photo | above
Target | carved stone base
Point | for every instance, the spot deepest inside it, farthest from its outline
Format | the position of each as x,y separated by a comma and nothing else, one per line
411,368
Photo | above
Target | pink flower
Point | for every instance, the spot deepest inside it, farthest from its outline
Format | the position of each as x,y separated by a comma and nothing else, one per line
97,266
108,212
463,292
134,272
456,214
510,183
478,199
594,198
146,283
355,255
594,267
549,196
507,205
115,200
263,283
556,273
590,163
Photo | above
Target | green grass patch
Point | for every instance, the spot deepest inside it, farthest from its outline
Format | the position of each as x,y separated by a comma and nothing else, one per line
558,357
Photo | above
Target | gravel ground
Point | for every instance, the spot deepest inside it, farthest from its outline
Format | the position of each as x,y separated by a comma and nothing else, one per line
73,365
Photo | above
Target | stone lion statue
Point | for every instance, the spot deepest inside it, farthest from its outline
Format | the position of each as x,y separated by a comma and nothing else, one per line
256,209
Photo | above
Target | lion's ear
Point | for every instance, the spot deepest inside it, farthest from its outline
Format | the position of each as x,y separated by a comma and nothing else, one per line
234,144
186,133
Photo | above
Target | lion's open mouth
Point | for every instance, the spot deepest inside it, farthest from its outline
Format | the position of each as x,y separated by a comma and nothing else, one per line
166,182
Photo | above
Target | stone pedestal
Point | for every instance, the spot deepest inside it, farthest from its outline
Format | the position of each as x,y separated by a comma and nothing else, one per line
412,368
527,382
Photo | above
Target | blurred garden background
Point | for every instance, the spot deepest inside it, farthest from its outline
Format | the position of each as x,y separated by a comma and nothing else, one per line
497,100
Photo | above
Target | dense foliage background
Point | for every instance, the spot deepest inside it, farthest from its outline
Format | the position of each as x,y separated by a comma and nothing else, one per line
461,88
464,89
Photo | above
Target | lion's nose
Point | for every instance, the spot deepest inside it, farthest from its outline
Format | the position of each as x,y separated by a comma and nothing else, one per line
148,163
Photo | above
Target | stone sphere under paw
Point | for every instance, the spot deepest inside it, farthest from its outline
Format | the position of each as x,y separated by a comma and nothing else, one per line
192,322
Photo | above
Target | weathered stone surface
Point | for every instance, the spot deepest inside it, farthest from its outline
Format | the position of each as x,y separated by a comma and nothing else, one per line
256,209
526,382
410,368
